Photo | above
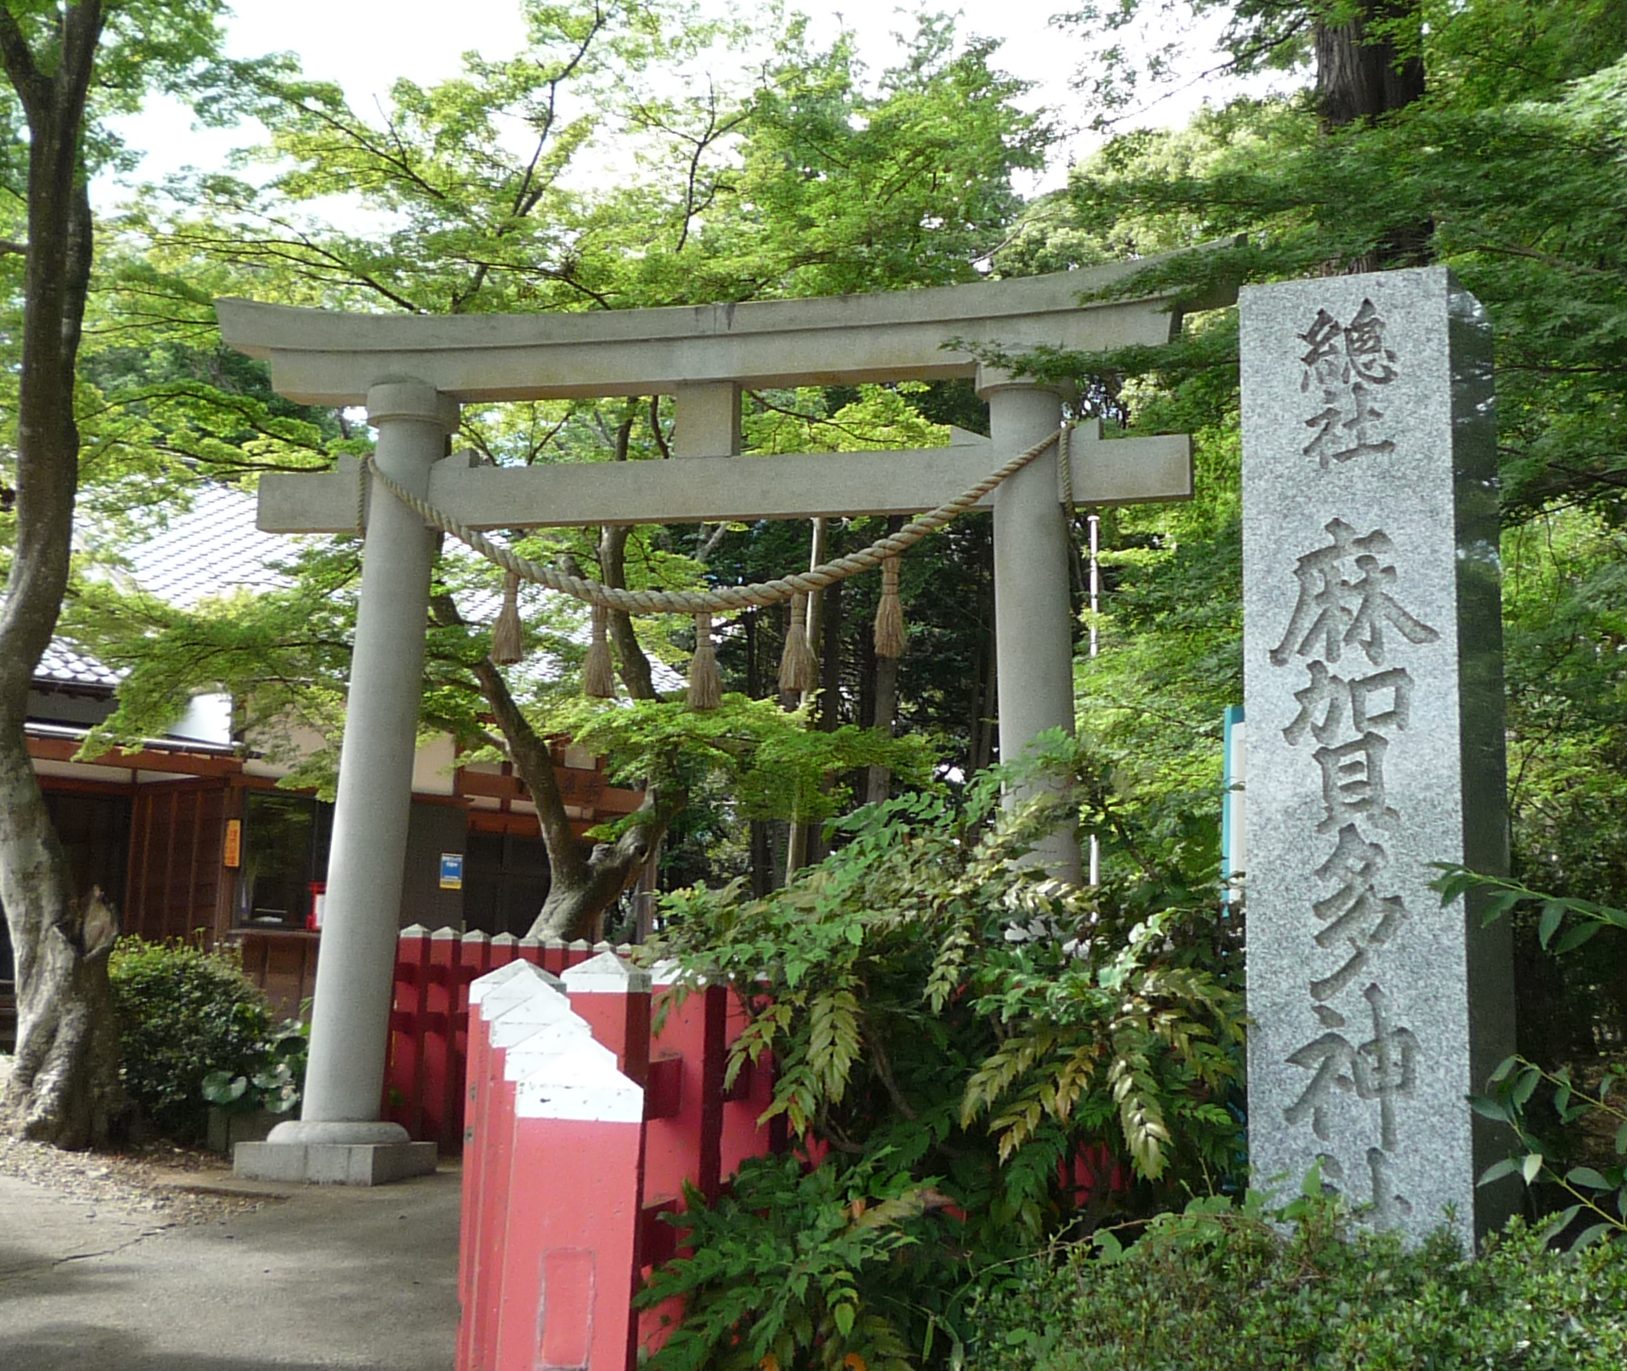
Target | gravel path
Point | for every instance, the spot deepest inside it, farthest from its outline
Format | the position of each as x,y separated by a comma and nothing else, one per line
175,1184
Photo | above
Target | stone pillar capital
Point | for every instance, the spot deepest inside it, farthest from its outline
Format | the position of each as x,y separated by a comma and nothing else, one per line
412,400
991,380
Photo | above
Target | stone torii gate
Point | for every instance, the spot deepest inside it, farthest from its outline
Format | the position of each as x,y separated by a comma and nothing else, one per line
413,372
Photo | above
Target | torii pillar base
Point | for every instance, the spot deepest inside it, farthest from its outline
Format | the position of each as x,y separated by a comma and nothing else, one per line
299,1153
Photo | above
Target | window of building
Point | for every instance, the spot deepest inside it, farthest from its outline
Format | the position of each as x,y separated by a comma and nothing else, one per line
285,849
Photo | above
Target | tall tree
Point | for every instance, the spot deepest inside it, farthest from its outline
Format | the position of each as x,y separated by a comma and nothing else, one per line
58,58
1511,160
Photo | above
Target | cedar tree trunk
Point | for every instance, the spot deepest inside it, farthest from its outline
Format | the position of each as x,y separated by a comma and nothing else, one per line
1360,77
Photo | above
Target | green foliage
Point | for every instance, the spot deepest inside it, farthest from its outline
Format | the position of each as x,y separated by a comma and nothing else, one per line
273,1081
1594,1198
942,1016
1586,1124
809,1268
1224,1286
184,1013
776,764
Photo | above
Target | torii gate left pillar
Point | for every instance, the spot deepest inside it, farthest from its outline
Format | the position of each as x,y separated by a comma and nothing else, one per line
339,1137
701,356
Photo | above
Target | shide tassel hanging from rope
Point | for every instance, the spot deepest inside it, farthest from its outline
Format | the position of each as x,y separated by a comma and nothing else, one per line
506,636
598,672
799,670
890,632
705,683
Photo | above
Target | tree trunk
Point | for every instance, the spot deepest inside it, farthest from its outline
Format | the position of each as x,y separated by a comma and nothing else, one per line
584,878
879,779
1360,77
64,1084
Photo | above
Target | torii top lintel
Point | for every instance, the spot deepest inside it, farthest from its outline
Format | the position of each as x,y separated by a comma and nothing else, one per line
329,358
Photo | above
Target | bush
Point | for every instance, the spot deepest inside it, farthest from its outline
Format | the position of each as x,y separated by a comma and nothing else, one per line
951,1072
183,1013
1226,1287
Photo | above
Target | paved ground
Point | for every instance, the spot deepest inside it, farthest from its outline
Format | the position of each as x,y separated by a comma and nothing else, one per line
364,1279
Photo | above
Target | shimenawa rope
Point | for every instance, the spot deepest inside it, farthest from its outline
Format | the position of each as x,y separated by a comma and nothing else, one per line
725,598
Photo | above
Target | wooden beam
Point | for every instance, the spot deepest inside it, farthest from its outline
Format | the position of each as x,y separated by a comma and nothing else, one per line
173,763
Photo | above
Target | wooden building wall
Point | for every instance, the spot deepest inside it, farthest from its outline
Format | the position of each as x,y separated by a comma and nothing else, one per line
176,883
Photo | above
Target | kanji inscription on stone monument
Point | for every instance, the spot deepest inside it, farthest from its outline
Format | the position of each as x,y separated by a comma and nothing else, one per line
1373,689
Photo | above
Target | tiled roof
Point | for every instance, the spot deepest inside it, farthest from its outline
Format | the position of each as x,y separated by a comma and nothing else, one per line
62,665
215,548
211,549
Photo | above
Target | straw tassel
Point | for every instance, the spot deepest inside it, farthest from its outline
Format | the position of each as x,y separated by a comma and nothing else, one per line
799,669
705,685
890,631
506,646
598,672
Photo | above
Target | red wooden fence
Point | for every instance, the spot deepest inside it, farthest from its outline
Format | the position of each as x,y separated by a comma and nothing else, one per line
429,1020
583,1128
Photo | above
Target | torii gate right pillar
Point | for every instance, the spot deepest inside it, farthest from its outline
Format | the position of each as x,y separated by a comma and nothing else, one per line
1033,617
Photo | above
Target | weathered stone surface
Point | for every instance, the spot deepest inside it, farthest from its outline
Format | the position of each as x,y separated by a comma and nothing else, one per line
1373,684
333,1163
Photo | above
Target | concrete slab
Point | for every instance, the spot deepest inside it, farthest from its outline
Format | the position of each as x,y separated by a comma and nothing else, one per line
333,1163
331,1277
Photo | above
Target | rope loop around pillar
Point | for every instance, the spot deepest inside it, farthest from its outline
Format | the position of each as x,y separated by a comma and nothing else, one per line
724,599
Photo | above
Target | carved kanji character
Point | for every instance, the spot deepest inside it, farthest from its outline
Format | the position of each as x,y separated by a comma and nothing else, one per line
1364,346
1353,783
1345,600
1376,608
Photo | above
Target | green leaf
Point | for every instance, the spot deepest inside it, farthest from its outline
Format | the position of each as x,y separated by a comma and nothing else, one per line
1497,1170
1574,937
1586,1175
1556,1224
1531,1167
221,1087
1525,1085
1553,914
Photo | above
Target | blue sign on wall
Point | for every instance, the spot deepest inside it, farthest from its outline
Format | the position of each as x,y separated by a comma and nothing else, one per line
451,871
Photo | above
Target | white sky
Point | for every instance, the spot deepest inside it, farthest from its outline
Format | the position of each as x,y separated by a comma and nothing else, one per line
366,44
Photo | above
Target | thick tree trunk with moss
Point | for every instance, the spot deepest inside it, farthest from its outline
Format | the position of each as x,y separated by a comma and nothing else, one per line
64,1084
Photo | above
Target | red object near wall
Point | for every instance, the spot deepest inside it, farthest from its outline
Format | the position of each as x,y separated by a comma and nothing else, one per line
570,1162
429,1021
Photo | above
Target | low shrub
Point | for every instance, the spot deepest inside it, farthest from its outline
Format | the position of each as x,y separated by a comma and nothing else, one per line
183,1013
1224,1287
982,1057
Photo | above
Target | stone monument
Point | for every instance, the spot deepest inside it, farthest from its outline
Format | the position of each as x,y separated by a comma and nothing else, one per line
1373,687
